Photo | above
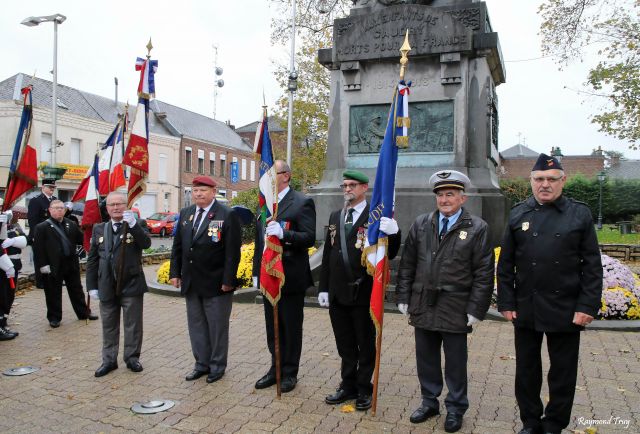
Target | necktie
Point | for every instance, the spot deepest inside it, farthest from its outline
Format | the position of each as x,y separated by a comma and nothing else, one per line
348,224
116,227
443,231
196,225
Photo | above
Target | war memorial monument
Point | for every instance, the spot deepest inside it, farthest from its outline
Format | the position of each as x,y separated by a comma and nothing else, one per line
455,65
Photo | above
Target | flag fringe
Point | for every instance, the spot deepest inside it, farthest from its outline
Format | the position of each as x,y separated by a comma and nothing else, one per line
402,141
403,121
371,268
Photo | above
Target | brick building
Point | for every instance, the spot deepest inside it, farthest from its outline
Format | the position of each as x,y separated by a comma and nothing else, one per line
517,161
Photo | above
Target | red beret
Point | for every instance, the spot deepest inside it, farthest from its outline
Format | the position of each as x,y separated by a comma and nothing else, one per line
203,181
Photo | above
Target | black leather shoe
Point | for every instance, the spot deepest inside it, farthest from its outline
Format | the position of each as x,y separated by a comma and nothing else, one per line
267,381
211,378
195,374
453,422
105,369
340,396
135,366
528,431
6,334
288,384
92,317
363,402
423,413
54,324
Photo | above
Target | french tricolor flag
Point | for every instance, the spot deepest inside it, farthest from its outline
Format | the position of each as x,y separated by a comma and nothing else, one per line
104,165
147,68
91,213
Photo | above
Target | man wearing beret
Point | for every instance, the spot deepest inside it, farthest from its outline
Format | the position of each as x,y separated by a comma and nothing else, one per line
296,228
549,283
204,263
445,281
345,288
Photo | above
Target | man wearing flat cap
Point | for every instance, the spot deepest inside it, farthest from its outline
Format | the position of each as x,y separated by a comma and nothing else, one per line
345,288
37,212
445,281
549,284
204,263
295,226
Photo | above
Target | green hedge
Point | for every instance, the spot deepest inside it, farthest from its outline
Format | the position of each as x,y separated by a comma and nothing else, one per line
620,198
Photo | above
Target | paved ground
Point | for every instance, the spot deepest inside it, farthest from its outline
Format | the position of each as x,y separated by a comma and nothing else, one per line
64,396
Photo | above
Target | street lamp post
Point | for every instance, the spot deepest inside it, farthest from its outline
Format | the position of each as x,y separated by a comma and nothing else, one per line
55,19
293,81
601,178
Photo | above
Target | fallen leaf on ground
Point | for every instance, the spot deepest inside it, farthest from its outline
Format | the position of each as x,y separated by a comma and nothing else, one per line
69,397
581,388
53,358
325,354
621,389
347,408
624,350
595,353
509,357
591,430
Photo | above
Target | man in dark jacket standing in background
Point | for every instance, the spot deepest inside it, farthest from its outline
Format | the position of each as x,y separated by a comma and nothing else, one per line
445,281
204,263
549,283
345,288
37,212
296,229
103,272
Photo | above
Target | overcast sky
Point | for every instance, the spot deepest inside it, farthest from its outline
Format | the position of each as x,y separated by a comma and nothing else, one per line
101,40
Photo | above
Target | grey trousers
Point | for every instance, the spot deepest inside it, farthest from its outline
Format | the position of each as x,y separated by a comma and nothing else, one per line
454,345
132,321
208,322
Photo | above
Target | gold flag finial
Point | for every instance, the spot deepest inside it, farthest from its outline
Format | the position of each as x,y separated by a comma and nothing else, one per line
149,48
404,51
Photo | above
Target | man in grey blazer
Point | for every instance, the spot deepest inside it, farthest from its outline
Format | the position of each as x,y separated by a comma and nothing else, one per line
110,245
204,263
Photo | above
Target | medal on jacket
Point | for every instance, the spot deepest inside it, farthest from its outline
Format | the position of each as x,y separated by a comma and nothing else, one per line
129,239
463,235
360,236
214,231
332,233
525,226
100,240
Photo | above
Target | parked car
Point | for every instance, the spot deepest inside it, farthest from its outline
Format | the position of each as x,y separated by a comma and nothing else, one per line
161,223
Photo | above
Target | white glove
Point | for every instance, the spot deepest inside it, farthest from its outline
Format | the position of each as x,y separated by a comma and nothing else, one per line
403,308
255,281
19,242
274,228
388,226
4,218
93,293
323,299
8,243
472,320
129,217
11,272
45,270
5,263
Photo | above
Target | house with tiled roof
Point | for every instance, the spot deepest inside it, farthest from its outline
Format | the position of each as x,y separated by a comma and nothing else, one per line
277,133
625,169
178,142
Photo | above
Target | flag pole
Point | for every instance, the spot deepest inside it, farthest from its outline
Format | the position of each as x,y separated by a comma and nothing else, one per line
404,51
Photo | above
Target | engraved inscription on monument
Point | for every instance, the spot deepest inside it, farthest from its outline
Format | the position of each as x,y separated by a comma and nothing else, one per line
431,127
432,30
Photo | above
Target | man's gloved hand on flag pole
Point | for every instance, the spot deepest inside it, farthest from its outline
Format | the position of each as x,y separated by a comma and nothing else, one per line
472,320
323,299
388,226
274,228
93,293
129,217
11,272
255,281
45,270
403,307
4,218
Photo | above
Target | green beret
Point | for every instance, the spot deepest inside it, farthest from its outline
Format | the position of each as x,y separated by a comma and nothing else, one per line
356,176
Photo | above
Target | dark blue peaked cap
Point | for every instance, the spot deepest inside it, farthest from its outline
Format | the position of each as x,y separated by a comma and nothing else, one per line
547,162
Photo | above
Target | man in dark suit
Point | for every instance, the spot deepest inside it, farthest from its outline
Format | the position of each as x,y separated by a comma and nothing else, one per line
109,246
296,228
345,288
37,212
204,263
549,284
54,246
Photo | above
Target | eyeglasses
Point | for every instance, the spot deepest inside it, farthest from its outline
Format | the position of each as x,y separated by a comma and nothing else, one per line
57,207
117,204
549,179
280,173
349,186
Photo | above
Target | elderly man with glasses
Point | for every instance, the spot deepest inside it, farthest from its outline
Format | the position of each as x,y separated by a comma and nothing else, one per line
549,283
118,285
345,288
54,248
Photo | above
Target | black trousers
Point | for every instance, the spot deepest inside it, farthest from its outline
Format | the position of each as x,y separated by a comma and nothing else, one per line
428,344
356,342
290,318
7,295
563,351
69,273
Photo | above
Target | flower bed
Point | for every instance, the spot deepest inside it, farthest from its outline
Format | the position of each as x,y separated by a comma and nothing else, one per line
620,290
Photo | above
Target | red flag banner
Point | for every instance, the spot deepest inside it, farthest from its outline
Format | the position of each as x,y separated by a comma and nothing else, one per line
272,270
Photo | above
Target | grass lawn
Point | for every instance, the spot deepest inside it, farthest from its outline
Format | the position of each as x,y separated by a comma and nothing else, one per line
610,234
